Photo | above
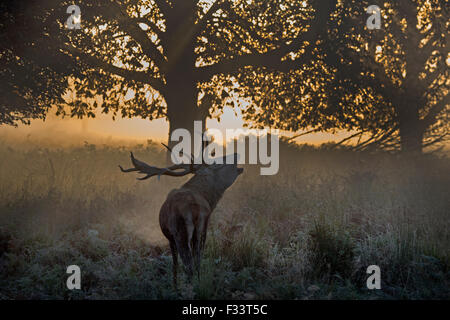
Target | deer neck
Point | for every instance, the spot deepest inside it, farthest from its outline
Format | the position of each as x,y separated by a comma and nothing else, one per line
207,188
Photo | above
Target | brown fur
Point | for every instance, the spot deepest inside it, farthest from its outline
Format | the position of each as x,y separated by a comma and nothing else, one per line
184,219
185,214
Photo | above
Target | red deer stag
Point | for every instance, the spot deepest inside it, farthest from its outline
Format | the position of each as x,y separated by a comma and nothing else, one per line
185,213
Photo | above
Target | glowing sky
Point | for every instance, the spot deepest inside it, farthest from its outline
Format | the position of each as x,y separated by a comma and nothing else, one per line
133,129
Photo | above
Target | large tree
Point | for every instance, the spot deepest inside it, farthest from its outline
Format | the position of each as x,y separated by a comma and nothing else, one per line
389,85
150,58
24,85
405,63
301,64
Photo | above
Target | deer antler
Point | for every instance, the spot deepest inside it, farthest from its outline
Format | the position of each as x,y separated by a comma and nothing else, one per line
168,148
151,171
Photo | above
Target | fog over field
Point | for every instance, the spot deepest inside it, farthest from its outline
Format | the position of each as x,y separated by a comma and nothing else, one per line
102,129
344,190
308,232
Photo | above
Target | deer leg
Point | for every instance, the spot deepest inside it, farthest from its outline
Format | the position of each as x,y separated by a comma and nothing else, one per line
173,249
203,234
200,242
183,247
196,245
186,257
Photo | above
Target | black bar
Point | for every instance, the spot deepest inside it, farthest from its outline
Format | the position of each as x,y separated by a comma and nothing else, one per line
252,309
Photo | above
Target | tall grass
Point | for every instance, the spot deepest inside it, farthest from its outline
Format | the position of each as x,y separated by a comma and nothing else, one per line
309,232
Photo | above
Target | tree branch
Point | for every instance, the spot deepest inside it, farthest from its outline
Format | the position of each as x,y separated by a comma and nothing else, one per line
272,59
430,118
163,6
430,78
380,139
349,138
130,26
301,134
218,4
380,82
129,75
440,138
151,25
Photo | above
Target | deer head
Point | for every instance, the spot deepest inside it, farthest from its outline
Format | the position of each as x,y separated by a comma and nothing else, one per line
219,171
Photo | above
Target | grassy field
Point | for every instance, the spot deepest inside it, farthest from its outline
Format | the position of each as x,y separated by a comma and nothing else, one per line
309,232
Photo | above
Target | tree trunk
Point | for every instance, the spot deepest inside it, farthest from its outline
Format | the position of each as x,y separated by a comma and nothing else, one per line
182,110
181,93
411,131
411,141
